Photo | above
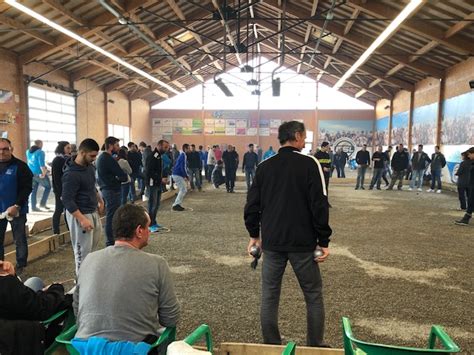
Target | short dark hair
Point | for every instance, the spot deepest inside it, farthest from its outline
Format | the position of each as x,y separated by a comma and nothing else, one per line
437,146
324,144
122,154
130,144
60,147
200,147
6,140
390,146
420,145
470,150
142,144
185,146
126,220
251,145
287,131
110,141
89,145
193,145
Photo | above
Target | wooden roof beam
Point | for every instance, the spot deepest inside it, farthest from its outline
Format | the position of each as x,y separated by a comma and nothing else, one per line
314,7
177,10
379,10
17,25
459,26
108,68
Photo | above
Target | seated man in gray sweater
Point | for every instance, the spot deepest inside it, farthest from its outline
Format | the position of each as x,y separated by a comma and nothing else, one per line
137,298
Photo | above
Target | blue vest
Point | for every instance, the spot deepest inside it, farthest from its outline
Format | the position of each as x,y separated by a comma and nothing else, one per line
9,189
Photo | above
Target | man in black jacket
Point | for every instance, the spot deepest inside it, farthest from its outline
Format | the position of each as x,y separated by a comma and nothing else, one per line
195,167
363,162
110,178
249,165
135,160
288,202
231,163
419,162
16,184
399,165
379,160
470,189
154,178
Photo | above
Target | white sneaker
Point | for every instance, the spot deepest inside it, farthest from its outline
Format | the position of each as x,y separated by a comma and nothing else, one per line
429,190
438,191
420,189
410,189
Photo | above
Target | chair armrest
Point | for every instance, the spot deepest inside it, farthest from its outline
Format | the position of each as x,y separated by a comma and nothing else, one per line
438,333
55,316
290,349
198,333
169,335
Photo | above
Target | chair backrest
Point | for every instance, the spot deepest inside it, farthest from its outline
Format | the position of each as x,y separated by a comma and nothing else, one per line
353,345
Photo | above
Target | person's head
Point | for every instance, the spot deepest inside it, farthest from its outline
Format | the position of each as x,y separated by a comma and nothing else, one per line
112,144
141,146
420,148
6,150
63,147
389,148
470,153
464,156
270,148
379,149
132,146
325,146
251,147
293,134
339,150
122,154
73,148
201,148
193,147
229,148
186,148
87,152
436,148
400,147
39,143
163,145
131,224
364,147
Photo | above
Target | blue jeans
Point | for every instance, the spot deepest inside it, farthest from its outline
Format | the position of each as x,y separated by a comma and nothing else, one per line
125,189
195,178
47,189
417,178
132,193
181,184
376,178
19,235
436,178
361,169
249,176
112,203
154,201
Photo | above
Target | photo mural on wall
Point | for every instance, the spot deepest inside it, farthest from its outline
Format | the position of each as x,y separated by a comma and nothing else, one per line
349,135
400,128
381,131
424,124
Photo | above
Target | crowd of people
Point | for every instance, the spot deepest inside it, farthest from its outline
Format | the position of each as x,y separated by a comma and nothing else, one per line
423,133
96,181
359,137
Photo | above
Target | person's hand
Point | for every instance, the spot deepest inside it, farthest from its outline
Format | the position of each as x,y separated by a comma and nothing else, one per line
7,267
13,211
86,224
101,207
326,169
254,242
322,258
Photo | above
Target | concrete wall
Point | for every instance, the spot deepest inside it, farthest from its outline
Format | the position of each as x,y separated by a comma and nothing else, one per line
141,127
90,111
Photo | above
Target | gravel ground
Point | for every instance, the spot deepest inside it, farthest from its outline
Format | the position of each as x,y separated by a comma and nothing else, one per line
398,265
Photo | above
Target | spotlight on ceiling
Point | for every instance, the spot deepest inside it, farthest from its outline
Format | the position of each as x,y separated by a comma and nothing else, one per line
246,69
223,87
471,84
276,87
252,82
256,92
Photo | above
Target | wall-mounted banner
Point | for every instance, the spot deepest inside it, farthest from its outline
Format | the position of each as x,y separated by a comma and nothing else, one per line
209,126
458,120
241,123
265,131
241,131
219,126
424,124
197,126
381,131
359,131
252,131
400,128
231,114
6,96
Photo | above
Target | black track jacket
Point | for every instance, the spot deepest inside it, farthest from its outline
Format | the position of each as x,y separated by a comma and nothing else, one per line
288,201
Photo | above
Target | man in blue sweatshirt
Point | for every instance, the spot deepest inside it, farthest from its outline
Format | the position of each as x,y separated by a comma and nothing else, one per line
249,165
81,201
110,177
180,177
16,182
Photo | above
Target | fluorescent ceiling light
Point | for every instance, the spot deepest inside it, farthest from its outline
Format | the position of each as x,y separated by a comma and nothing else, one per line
84,41
407,11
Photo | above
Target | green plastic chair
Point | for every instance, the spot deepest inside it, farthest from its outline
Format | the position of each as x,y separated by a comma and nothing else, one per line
202,331
352,346
65,338
290,349
69,320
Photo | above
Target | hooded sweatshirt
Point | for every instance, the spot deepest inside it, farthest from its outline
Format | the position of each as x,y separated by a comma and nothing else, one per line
79,192
35,159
